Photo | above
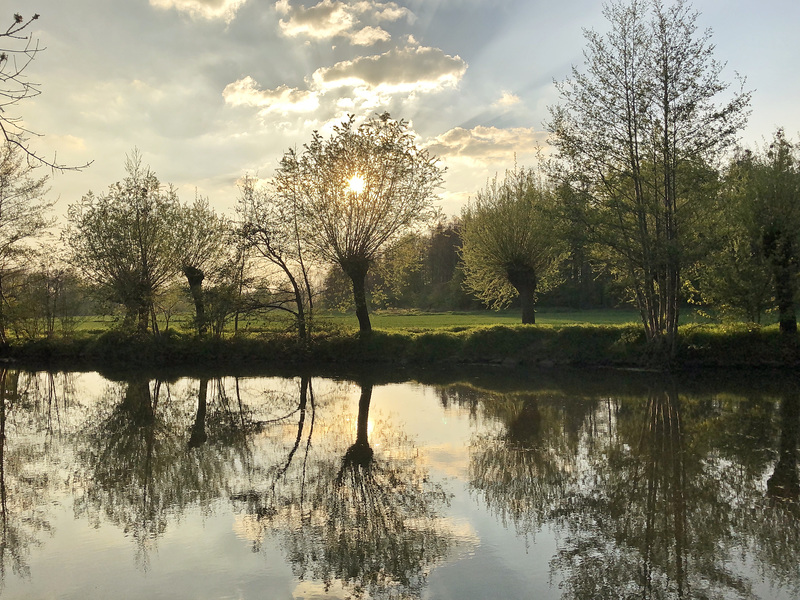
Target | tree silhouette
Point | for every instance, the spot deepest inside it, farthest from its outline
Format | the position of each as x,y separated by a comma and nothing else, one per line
141,470
358,191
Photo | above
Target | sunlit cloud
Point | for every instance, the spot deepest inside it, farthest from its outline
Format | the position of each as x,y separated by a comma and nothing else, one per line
354,21
362,85
283,99
369,36
402,70
507,100
487,144
204,9
474,155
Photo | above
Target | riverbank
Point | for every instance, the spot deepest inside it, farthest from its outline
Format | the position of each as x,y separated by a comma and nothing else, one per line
531,346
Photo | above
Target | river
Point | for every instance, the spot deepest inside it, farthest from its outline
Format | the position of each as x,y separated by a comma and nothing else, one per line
472,485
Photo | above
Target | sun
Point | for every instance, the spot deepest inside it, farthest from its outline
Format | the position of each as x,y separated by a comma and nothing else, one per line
356,184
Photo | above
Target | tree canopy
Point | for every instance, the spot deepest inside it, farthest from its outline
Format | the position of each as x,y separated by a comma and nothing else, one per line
23,217
632,131
125,240
359,190
756,258
509,243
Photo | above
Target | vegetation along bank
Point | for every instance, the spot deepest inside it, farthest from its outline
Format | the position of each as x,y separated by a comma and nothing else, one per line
509,346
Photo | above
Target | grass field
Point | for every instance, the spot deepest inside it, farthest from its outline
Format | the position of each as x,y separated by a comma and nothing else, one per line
402,320
423,321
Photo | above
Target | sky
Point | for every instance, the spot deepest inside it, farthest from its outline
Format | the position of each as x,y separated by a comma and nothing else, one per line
211,90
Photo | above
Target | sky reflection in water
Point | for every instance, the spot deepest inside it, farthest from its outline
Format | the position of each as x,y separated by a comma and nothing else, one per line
576,485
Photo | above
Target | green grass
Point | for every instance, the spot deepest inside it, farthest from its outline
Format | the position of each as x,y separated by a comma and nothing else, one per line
391,320
418,321
413,321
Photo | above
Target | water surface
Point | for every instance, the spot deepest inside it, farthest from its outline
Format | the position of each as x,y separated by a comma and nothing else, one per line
562,485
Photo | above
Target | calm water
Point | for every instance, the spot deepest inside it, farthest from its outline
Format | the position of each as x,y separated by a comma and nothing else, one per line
574,485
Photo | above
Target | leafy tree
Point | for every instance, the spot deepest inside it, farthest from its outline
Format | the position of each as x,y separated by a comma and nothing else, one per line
734,277
754,264
771,184
401,272
632,131
224,297
202,244
18,50
125,241
47,298
23,217
270,224
445,288
509,244
421,270
359,190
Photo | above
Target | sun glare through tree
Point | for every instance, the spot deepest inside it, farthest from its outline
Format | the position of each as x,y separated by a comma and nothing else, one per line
356,184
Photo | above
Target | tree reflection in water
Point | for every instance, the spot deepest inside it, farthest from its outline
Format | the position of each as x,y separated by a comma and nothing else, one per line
352,516
651,493
646,501
522,474
774,524
29,476
140,471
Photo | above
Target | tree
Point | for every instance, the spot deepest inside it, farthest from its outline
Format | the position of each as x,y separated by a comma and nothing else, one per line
754,264
202,235
770,181
509,243
23,210
445,288
632,132
16,87
359,190
735,277
125,241
402,280
269,223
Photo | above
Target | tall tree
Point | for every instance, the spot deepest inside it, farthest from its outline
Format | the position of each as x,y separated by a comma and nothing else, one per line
632,130
125,242
270,224
735,277
360,189
509,242
774,190
23,217
201,247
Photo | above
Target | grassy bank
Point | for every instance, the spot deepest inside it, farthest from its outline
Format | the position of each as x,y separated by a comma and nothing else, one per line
614,345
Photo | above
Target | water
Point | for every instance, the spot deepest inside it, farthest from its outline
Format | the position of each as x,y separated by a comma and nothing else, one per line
563,485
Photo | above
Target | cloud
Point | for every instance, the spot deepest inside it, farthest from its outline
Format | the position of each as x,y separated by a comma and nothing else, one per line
507,100
204,9
402,70
335,18
486,145
359,85
283,99
369,36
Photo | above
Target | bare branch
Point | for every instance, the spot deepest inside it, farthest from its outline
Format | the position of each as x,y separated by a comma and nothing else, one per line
15,87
